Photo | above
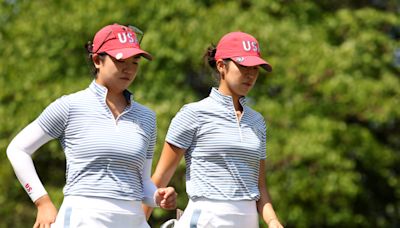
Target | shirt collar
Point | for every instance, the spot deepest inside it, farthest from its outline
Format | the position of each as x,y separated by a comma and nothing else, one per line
224,99
101,92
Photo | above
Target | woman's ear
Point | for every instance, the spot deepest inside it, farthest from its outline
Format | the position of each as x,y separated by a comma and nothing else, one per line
96,60
221,67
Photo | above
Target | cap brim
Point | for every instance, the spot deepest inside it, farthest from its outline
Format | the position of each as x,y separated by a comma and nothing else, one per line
252,61
128,52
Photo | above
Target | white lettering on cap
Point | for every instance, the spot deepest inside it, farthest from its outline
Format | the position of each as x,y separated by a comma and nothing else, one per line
124,37
131,40
248,46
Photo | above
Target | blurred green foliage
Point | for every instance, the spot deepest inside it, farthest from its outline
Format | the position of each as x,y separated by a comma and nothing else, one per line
331,103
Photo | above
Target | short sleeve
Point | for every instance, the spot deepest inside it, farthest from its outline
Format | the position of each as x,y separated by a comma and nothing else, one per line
183,128
54,118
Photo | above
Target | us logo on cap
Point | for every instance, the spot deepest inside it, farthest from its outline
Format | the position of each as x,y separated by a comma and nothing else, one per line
250,46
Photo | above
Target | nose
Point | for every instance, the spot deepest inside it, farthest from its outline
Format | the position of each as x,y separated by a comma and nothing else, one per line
129,68
251,72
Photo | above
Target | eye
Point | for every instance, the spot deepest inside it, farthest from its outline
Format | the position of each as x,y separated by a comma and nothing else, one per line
136,60
250,67
117,60
242,67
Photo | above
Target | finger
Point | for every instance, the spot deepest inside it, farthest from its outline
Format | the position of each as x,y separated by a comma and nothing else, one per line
171,189
163,204
170,199
169,204
167,207
161,192
38,225
169,193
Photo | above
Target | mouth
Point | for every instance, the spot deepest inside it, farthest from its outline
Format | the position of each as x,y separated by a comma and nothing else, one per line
125,78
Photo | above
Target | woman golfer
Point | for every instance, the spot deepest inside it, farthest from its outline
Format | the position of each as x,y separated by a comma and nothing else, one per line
108,141
224,143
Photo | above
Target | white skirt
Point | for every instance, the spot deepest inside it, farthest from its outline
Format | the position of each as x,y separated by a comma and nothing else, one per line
82,211
202,213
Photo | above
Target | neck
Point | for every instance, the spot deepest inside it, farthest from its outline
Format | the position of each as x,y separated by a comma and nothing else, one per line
235,98
112,88
117,103
237,105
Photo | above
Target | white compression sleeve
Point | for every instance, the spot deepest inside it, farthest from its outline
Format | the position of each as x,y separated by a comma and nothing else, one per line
19,152
149,188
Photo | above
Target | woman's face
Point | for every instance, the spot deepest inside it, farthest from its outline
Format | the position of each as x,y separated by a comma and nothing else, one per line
115,74
237,80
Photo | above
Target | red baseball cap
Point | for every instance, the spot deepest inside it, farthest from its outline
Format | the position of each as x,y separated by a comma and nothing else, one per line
241,48
119,41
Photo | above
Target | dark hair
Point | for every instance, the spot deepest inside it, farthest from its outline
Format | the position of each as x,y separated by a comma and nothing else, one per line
89,49
209,58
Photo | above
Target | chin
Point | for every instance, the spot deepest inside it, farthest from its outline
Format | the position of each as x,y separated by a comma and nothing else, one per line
244,93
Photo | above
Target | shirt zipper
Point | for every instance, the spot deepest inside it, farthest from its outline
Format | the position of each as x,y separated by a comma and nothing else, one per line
122,113
238,123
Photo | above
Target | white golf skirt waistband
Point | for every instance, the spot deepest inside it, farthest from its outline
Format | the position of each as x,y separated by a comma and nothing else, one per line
101,203
219,213
83,211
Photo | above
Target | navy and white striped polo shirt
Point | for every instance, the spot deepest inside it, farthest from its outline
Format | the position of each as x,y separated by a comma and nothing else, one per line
222,154
105,155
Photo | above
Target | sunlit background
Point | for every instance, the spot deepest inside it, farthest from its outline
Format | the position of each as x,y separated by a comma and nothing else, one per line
332,102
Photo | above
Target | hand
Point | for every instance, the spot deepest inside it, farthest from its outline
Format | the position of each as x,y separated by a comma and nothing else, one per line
274,223
166,198
46,214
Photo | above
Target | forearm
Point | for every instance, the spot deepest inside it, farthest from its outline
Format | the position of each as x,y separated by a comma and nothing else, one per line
148,208
166,167
149,188
169,161
19,153
266,210
264,204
